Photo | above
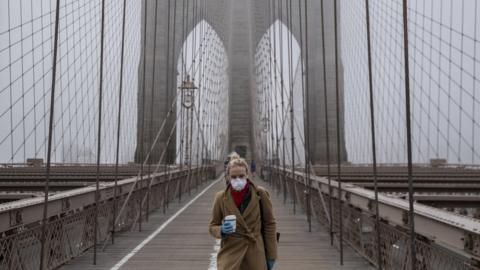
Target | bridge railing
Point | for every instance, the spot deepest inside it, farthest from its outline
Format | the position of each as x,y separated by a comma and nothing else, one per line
444,240
71,216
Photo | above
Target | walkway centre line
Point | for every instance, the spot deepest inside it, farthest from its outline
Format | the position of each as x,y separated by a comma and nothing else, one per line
213,255
160,229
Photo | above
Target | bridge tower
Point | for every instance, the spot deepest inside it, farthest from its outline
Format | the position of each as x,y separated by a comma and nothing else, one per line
240,24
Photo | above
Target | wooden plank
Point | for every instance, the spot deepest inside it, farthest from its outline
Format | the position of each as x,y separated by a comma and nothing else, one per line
186,244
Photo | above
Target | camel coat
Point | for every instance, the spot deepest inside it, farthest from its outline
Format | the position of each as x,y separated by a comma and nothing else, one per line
244,249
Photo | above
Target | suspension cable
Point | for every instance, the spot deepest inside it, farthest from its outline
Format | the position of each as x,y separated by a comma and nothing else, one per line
167,74
411,221
139,176
282,100
306,145
144,92
291,82
152,98
339,157
50,134
372,126
327,129
119,119
99,143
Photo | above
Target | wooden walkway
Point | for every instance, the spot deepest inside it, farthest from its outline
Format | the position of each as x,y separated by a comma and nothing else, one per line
184,244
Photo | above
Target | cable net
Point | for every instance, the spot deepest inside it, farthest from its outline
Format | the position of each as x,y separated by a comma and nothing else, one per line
445,106
26,55
202,112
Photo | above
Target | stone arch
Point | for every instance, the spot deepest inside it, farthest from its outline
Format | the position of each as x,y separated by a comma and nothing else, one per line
276,45
316,128
162,95
202,52
240,25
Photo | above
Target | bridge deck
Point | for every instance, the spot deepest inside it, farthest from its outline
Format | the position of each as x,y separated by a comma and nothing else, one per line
185,243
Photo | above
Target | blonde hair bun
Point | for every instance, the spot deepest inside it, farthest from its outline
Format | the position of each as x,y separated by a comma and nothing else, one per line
237,161
233,155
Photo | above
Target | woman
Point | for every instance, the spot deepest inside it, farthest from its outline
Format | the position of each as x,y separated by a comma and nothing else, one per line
251,244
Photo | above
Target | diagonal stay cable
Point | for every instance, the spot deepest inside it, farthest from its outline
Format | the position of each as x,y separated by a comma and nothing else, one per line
161,157
312,171
147,157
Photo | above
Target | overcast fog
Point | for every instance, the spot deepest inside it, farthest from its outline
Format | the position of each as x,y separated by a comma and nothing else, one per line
443,63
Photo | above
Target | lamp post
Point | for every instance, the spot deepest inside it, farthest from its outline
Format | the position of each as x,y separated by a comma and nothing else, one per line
265,129
188,101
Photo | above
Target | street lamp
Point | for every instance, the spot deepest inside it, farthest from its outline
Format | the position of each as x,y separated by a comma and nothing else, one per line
265,124
188,100
188,93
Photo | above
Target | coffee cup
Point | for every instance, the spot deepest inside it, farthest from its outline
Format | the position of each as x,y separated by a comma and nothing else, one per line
233,220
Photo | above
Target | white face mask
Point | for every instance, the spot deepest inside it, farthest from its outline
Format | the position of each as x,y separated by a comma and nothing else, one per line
238,183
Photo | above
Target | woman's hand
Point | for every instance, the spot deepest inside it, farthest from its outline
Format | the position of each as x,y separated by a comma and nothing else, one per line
270,264
227,228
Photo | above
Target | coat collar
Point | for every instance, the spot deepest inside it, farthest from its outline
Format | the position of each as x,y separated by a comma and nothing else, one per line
230,204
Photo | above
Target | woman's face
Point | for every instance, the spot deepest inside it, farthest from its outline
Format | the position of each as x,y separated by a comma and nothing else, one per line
238,172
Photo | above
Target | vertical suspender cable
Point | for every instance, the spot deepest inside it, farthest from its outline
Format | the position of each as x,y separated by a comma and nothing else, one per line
271,114
308,160
204,87
291,82
190,110
339,158
271,28
167,89
449,94
266,117
23,91
372,125
182,97
283,104
275,139
195,63
274,132
34,93
462,46
44,126
327,129
119,120
10,80
201,87
172,69
270,144
265,120
438,78
271,110
411,220
182,79
142,134
304,76
260,71
214,87
50,135
198,97
204,105
278,96
263,71
197,135
182,76
474,108
152,97
261,54
99,142
189,123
